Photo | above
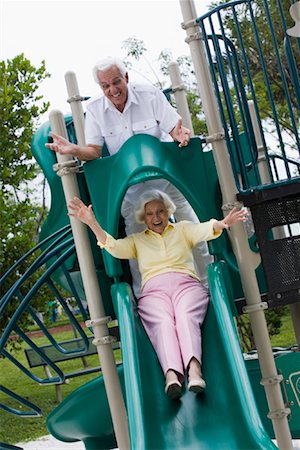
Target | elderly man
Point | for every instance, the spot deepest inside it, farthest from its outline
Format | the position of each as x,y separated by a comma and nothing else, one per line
127,109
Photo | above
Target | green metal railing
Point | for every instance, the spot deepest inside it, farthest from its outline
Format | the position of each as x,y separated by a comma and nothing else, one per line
31,411
243,72
17,302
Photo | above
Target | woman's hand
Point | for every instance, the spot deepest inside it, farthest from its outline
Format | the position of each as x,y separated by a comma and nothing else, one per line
235,215
85,214
82,212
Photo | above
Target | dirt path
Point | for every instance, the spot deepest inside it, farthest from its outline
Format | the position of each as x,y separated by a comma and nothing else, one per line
54,330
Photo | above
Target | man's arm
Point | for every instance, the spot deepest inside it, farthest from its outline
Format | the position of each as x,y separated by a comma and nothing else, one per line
64,147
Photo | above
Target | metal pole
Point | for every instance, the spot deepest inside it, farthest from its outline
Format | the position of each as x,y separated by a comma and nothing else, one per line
247,262
180,96
66,168
279,233
75,101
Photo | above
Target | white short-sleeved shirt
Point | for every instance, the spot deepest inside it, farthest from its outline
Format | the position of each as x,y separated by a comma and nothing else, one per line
146,111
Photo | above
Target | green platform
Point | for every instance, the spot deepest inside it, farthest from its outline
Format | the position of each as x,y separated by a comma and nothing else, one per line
226,416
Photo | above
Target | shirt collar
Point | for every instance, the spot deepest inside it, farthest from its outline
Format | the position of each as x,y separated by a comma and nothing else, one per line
170,225
131,99
131,96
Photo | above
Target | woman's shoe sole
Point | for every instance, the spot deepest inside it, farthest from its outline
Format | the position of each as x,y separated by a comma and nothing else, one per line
197,386
174,390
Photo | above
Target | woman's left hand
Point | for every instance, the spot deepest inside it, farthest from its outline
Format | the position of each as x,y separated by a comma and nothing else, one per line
235,215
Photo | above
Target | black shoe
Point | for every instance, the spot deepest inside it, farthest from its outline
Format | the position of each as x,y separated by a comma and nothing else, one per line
173,389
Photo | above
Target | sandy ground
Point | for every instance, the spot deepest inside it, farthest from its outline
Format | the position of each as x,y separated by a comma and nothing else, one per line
50,443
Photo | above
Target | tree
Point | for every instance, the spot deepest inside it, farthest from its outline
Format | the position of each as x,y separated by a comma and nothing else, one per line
278,13
21,209
136,49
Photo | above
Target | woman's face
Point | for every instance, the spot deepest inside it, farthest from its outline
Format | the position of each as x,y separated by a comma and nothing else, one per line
156,216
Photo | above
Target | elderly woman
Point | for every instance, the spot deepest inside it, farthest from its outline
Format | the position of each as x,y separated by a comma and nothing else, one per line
173,302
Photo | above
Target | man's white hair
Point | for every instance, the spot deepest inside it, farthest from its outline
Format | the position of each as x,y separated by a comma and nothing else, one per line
107,63
149,196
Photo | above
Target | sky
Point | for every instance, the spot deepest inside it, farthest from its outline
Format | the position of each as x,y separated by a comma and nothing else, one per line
72,35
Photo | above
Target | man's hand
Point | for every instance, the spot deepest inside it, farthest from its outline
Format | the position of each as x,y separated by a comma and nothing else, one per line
181,134
62,146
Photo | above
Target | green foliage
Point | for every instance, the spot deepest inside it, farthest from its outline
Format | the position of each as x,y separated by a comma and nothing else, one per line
261,10
19,108
21,208
274,318
136,49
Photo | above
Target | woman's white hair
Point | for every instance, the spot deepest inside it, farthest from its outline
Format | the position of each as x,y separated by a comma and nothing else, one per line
149,196
107,63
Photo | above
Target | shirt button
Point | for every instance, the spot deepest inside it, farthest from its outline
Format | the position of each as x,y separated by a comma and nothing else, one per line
145,126
125,128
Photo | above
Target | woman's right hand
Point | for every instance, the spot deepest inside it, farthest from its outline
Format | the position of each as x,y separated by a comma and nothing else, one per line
82,212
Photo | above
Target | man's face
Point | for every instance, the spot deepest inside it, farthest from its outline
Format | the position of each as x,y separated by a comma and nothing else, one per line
114,86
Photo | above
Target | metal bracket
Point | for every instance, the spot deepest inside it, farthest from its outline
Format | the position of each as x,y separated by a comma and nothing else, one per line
228,206
76,98
105,340
255,308
270,381
66,168
99,321
197,36
261,157
215,137
180,87
189,24
279,413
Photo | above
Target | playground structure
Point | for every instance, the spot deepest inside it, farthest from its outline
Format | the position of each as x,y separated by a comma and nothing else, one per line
241,168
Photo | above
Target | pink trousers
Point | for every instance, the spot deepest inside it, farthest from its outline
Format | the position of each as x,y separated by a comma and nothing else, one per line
172,307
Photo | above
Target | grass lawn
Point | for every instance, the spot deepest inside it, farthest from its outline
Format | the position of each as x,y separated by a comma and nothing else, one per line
16,429
13,428
286,337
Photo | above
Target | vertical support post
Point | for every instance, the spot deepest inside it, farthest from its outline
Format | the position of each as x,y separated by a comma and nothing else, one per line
261,160
75,101
265,178
66,165
180,96
245,258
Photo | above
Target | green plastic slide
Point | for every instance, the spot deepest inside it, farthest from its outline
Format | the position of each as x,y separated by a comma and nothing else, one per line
224,417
